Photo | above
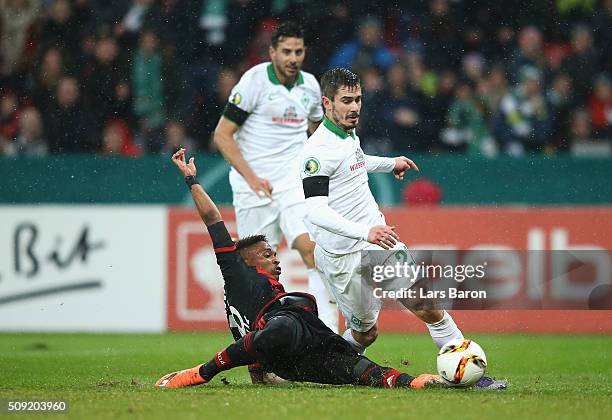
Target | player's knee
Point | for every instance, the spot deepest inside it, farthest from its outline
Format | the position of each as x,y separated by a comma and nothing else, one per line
366,338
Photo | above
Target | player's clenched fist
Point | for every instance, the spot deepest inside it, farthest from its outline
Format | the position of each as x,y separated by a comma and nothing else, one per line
383,236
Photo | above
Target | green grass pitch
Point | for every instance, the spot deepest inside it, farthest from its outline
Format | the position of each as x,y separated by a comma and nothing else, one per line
111,376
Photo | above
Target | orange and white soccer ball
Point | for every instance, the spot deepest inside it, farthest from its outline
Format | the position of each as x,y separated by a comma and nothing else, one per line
461,362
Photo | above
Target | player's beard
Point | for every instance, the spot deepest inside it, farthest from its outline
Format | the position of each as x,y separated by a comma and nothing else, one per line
289,79
344,124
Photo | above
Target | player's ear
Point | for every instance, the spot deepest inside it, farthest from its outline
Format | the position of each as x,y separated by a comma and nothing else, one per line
271,52
327,103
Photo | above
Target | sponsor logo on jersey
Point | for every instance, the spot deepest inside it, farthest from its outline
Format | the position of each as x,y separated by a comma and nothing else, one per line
289,117
359,161
236,98
312,166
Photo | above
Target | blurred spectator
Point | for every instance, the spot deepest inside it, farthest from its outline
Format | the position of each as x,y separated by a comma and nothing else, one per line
69,122
496,89
581,65
30,141
121,106
46,76
529,54
581,137
401,112
206,115
148,88
420,78
372,132
467,127
16,18
560,100
61,28
502,45
101,78
438,105
365,51
336,14
473,66
176,137
441,35
524,121
600,106
117,140
602,23
9,116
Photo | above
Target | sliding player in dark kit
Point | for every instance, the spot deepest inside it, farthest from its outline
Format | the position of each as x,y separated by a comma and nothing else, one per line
275,330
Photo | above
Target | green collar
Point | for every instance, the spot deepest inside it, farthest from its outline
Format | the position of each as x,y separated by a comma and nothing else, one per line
274,78
335,129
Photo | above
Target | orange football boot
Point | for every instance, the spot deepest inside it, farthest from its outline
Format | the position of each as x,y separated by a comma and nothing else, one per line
181,378
422,381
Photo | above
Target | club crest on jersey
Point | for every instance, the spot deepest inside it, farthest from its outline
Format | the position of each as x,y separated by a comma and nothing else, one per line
359,161
312,166
305,100
236,98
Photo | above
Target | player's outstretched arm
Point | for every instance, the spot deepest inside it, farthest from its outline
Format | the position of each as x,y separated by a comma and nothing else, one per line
207,209
398,165
225,142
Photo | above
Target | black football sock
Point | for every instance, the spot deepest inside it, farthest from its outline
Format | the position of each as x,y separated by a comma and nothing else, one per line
383,377
240,353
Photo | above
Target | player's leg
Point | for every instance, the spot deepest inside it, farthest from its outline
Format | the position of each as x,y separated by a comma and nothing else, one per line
296,234
440,324
278,338
237,354
356,301
340,367
328,309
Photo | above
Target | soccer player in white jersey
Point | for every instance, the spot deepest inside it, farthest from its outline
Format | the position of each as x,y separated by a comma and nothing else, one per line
261,132
344,219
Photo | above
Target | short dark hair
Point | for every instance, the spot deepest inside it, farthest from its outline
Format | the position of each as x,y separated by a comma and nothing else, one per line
287,30
247,241
334,79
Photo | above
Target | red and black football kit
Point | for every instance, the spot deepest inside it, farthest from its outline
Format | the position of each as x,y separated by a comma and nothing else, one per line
280,332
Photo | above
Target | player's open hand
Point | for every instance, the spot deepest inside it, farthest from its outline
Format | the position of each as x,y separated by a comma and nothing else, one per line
383,236
260,186
186,169
403,164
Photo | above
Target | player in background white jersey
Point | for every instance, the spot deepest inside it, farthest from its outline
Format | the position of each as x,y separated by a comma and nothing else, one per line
343,216
261,132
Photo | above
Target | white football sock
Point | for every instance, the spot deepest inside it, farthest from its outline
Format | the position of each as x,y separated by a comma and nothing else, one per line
348,336
444,330
328,310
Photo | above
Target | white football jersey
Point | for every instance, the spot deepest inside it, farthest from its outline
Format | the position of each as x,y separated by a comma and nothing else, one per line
275,130
332,152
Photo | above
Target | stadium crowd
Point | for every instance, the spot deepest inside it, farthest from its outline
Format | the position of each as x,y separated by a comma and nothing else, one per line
144,76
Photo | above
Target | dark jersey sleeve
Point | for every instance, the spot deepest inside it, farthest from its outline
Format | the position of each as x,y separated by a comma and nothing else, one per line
231,263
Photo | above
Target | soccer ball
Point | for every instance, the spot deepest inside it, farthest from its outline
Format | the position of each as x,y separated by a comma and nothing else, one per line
461,362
